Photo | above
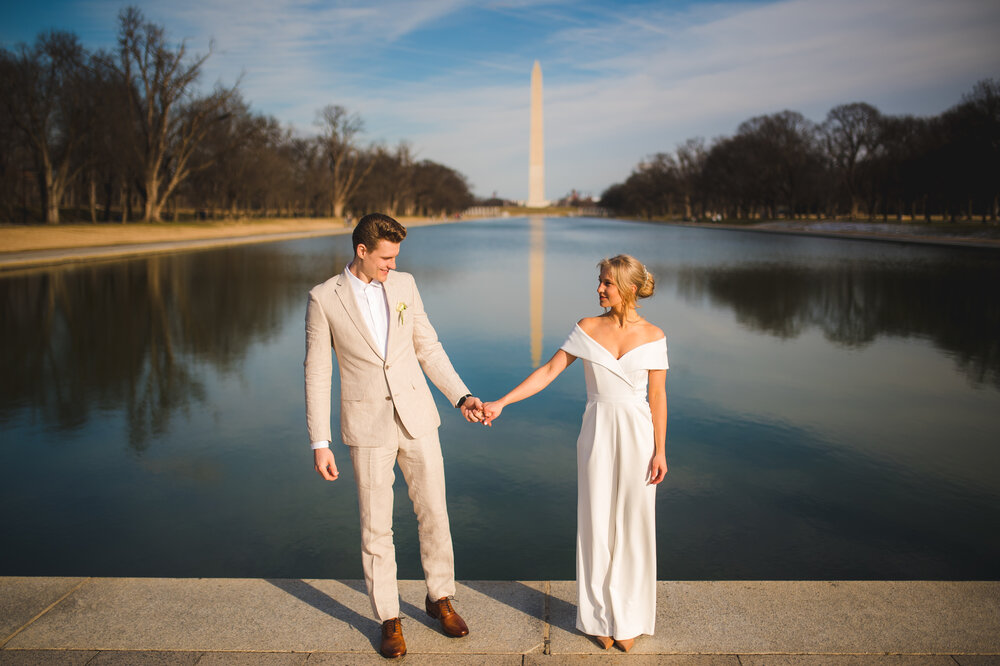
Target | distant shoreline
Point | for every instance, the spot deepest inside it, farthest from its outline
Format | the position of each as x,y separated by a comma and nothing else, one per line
28,247
27,238
23,247
886,232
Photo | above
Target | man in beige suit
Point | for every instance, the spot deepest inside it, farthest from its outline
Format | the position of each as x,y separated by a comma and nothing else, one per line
373,319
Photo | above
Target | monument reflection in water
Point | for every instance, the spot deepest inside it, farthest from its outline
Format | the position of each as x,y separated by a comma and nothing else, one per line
832,408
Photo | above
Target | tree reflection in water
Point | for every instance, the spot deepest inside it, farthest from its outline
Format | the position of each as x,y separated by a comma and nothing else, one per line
134,335
855,302
880,479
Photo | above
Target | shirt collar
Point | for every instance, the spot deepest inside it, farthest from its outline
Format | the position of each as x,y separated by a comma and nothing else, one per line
357,284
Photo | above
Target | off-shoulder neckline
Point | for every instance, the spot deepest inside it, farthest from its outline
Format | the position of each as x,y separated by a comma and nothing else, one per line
608,352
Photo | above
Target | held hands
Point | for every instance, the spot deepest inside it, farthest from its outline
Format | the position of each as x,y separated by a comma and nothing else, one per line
475,411
491,411
472,410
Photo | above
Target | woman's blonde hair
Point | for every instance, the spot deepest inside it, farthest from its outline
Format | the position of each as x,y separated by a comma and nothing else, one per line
628,272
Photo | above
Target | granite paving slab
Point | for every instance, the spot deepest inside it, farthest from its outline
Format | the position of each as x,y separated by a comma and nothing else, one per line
277,615
414,659
205,614
633,659
291,621
251,659
47,657
159,658
846,660
24,597
806,617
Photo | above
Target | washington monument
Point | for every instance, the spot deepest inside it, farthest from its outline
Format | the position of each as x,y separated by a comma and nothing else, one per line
536,147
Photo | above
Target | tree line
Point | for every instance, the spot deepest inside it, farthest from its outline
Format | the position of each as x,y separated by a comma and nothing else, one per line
857,164
127,135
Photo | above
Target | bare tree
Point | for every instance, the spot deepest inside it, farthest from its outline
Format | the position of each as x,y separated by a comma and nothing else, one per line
851,132
310,177
972,129
348,163
110,166
172,120
390,187
735,176
45,99
400,194
690,163
780,165
439,190
791,161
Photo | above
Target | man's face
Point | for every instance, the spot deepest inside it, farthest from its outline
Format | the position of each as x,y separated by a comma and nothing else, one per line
376,263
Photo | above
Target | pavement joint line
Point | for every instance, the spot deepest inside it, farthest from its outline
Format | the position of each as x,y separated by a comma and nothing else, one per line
44,611
546,625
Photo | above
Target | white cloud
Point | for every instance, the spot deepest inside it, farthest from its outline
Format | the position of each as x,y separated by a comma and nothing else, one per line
619,84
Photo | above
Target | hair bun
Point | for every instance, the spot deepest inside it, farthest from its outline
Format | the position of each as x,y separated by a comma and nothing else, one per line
648,285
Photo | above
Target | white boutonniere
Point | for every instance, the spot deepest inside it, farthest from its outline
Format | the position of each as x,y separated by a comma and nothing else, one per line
400,308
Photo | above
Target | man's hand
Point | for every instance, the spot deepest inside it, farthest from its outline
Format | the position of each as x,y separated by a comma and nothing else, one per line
472,410
325,464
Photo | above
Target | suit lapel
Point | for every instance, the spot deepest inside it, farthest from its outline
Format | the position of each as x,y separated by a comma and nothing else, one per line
390,297
350,303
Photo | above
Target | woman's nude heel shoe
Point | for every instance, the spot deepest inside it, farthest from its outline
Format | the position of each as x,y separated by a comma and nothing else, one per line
626,644
604,641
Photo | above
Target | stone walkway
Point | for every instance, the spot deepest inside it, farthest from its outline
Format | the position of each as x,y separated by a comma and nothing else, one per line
290,621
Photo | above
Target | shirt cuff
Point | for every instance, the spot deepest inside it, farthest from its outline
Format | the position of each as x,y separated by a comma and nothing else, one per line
320,445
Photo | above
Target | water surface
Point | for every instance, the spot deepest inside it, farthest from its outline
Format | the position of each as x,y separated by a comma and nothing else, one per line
833,407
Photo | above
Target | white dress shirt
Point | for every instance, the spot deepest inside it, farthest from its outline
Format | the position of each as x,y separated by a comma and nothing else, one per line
374,308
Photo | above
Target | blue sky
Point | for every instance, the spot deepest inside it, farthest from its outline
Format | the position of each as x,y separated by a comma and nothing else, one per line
622,80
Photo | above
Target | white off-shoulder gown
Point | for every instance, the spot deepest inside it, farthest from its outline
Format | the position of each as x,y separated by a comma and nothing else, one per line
616,530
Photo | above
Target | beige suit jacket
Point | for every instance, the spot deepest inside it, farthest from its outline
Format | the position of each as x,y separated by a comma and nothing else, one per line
373,386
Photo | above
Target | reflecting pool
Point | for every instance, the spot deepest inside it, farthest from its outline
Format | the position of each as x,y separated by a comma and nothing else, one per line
834,407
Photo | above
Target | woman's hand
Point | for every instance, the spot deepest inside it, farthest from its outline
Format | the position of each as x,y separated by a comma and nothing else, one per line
657,468
491,410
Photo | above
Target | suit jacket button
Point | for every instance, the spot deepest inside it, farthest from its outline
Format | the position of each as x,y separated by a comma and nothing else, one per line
388,397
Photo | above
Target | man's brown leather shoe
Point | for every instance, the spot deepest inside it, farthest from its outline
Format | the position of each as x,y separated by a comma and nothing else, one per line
393,644
451,622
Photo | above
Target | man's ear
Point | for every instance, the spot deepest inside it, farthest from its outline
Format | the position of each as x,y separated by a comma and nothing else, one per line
360,251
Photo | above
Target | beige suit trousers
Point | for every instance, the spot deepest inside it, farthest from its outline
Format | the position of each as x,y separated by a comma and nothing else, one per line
422,465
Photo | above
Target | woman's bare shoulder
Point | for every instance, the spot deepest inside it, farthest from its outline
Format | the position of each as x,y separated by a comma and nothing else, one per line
590,324
651,332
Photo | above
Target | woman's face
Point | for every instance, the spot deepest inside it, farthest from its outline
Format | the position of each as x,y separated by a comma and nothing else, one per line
607,290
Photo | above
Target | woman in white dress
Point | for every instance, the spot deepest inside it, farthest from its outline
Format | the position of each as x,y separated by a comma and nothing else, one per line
620,454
